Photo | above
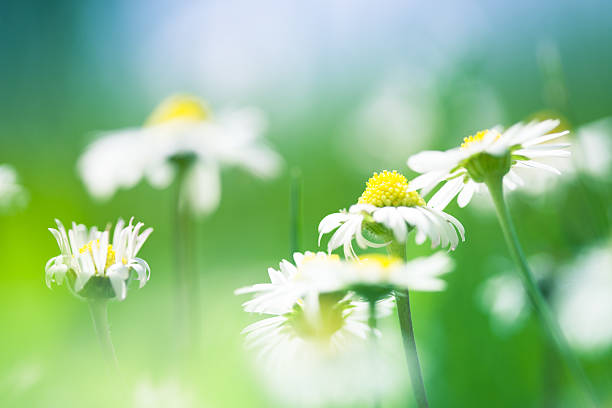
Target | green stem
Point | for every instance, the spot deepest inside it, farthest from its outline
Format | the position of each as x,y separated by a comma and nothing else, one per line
373,344
402,299
187,278
99,316
495,186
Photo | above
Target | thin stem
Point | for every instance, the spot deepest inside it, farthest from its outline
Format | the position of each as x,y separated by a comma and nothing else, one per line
373,345
187,278
542,309
99,316
402,299
372,318
296,211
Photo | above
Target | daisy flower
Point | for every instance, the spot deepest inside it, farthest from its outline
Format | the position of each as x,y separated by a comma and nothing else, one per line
11,192
319,318
489,153
92,266
314,341
390,207
181,131
372,276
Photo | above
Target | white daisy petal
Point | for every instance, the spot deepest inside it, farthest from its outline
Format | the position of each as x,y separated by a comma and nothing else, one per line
446,193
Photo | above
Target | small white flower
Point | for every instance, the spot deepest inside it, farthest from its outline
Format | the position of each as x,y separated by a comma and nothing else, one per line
525,144
389,201
87,253
12,194
181,127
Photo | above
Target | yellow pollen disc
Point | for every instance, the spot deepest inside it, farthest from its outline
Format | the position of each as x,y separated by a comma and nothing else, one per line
179,107
390,189
384,261
477,138
314,257
110,255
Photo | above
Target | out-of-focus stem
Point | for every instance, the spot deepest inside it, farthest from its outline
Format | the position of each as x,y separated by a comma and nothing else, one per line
295,222
402,299
99,316
550,324
188,288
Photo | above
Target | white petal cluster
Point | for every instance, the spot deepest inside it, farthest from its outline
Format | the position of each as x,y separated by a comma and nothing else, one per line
316,338
316,273
441,228
121,159
88,252
11,192
527,144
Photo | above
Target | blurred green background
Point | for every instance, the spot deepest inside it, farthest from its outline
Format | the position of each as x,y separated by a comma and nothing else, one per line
349,88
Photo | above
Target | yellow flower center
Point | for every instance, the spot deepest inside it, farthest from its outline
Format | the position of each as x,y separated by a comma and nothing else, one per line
330,318
477,138
390,189
179,107
383,261
110,254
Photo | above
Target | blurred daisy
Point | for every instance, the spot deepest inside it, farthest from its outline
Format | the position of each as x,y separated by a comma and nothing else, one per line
583,300
593,150
12,194
390,207
162,395
181,130
372,276
316,337
316,350
94,267
503,297
488,152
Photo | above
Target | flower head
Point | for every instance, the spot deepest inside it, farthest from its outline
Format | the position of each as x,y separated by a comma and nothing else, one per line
373,277
95,267
179,108
316,335
389,208
181,132
390,189
488,153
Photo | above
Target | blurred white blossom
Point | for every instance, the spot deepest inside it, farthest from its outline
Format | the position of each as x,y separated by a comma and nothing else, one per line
181,129
593,151
579,292
12,194
502,296
583,300
166,394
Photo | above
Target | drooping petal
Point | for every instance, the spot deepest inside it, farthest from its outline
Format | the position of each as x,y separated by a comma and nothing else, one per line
392,219
446,193
431,160
203,187
465,196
